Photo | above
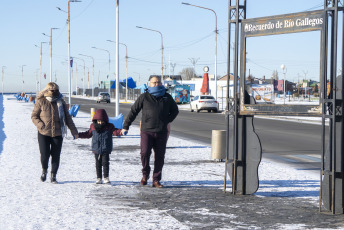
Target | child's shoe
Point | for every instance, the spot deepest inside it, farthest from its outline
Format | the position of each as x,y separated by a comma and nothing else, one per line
99,181
106,180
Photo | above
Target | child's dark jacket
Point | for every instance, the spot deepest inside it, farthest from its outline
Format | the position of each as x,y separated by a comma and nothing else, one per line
102,140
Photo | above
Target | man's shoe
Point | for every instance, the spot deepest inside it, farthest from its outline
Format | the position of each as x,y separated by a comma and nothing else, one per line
156,184
99,181
53,178
106,180
144,181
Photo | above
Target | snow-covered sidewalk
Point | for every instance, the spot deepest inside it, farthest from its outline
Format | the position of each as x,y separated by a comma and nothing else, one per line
27,203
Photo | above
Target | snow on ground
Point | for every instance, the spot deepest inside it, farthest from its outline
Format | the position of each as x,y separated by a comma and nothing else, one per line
28,203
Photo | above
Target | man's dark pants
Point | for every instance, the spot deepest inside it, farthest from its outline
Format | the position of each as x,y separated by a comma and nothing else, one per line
157,142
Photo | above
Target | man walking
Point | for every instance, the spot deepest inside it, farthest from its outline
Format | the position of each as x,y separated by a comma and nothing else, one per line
158,110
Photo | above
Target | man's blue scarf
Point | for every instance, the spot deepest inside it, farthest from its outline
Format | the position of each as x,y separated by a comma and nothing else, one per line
157,91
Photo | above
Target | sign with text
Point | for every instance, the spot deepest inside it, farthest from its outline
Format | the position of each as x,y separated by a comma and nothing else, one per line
268,102
288,23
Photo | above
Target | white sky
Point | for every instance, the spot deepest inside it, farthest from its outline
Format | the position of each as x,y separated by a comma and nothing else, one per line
27,203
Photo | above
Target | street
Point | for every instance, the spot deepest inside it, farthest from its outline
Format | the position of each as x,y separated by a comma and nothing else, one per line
285,141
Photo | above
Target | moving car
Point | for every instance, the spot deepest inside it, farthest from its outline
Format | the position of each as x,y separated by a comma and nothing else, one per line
204,102
103,97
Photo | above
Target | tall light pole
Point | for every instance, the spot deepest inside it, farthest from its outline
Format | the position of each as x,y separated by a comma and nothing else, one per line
22,67
162,48
109,64
117,58
83,78
76,77
188,4
40,66
88,77
51,51
3,72
92,72
126,70
283,67
36,82
69,59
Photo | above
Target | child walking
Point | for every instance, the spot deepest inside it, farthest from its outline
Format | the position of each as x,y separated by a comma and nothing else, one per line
101,132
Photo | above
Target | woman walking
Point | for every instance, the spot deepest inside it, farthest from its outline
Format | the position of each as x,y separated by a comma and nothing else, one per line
51,117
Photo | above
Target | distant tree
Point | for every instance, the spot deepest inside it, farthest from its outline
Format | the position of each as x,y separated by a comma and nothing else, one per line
250,78
187,73
275,75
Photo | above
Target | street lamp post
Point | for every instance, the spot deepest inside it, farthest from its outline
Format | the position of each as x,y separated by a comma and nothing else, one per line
92,72
3,72
109,64
83,78
51,51
76,77
162,48
36,82
22,67
188,4
126,70
69,67
283,67
40,66
117,58
88,77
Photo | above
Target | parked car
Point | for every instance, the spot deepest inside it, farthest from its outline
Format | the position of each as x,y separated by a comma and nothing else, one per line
204,102
103,97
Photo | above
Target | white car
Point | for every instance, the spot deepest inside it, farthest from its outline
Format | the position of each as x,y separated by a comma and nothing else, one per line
102,96
204,102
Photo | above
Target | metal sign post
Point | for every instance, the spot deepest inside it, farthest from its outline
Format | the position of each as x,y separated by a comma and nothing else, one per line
243,145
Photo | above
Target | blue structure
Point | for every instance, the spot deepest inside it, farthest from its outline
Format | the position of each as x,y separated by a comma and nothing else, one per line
180,93
142,88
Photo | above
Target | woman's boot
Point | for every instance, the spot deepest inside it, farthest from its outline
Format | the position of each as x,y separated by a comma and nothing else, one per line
53,178
44,175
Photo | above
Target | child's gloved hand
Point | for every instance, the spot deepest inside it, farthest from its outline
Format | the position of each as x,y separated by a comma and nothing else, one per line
75,137
124,132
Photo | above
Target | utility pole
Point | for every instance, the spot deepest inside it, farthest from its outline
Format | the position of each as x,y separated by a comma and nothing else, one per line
173,65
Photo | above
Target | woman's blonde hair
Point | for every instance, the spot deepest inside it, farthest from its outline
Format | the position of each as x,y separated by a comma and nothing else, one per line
46,91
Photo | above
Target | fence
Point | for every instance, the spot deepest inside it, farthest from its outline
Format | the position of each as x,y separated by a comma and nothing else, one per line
133,94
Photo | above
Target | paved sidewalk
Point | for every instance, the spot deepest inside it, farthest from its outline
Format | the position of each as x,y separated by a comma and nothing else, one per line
204,205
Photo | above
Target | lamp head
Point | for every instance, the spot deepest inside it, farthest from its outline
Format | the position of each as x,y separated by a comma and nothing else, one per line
283,66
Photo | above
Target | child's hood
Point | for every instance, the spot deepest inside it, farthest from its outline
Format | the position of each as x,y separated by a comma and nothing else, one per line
101,114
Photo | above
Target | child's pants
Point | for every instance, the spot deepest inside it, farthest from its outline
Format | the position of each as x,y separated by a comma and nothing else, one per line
102,160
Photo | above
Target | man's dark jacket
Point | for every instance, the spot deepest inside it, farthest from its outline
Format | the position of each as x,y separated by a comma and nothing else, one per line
156,112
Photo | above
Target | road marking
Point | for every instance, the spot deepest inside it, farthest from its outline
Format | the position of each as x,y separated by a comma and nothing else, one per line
305,158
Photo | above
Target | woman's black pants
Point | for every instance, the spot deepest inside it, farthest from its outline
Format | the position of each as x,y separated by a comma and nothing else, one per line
50,146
